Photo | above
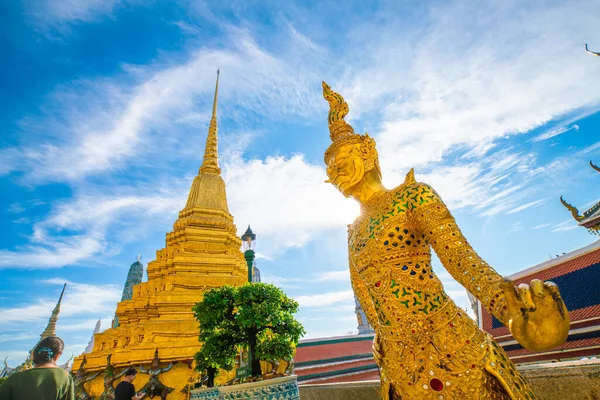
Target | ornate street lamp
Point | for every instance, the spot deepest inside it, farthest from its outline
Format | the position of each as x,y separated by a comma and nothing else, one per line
249,241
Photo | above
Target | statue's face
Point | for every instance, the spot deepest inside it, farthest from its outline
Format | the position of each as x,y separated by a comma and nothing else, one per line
346,169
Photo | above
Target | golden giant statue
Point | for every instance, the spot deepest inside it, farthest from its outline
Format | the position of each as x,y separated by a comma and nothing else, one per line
426,346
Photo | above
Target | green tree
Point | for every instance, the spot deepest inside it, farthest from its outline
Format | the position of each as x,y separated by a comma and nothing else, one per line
257,315
218,352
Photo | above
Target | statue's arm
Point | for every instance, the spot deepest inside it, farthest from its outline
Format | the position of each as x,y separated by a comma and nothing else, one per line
362,294
457,255
167,368
143,370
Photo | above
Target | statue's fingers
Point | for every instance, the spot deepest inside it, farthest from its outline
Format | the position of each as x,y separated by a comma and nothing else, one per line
525,295
551,287
510,294
537,287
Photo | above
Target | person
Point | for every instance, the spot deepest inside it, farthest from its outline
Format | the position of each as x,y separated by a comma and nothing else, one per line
125,389
45,381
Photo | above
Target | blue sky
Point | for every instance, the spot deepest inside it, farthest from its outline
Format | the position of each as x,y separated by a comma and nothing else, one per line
106,104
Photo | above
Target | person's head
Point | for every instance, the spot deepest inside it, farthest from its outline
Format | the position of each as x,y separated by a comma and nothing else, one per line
130,375
48,350
352,160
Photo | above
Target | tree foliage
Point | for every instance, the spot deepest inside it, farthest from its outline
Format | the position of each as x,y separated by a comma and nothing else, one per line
257,315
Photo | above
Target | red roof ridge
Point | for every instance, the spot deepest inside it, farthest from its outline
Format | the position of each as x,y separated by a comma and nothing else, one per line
556,261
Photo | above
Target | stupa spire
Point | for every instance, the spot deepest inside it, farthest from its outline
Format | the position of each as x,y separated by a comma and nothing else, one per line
210,164
51,328
90,345
208,188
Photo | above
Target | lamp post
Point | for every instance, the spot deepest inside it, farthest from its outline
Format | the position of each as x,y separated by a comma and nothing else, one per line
249,241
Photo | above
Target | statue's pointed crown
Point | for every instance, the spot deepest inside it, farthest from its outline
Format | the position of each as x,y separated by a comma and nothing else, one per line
338,109
342,133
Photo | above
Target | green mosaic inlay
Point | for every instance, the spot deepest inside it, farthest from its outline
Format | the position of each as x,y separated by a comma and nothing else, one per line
405,200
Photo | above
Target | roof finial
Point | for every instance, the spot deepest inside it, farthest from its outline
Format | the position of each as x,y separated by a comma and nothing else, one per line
139,257
597,168
591,52
574,211
210,164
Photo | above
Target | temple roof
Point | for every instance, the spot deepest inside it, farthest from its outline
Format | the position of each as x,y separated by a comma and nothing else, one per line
590,218
6,370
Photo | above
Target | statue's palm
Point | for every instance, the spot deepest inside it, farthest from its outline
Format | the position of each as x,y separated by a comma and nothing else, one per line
538,317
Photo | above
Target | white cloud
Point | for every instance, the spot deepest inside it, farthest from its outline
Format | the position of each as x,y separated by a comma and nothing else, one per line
17,337
14,356
555,132
535,203
79,299
108,120
566,225
468,80
343,276
56,15
325,299
565,228
452,88
52,252
76,230
285,199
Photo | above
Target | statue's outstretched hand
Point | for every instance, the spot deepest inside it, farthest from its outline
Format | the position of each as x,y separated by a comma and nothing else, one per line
537,316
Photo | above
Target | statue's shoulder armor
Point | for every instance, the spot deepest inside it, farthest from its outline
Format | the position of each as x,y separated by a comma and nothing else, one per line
412,195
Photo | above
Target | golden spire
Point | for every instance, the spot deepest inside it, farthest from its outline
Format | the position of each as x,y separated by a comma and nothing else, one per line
210,164
51,328
208,188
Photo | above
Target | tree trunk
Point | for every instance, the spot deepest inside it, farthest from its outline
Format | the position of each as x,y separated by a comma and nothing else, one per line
255,362
211,376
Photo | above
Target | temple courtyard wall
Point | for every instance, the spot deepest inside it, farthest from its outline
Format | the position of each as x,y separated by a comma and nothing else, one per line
568,380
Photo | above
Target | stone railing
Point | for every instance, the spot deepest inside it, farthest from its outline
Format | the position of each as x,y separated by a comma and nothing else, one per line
568,380
285,388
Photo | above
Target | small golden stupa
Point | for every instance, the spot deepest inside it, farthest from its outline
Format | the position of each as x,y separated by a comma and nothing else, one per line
202,252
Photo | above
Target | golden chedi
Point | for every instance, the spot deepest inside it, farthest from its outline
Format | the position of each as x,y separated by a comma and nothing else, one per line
202,252
426,346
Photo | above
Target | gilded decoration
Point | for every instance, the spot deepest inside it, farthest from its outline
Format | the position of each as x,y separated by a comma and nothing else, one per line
155,387
426,346
201,252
